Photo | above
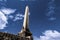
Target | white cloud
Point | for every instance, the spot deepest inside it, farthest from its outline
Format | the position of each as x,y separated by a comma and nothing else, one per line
29,13
18,17
50,35
50,13
4,18
51,10
8,10
53,0
52,18
5,14
11,16
3,0
36,38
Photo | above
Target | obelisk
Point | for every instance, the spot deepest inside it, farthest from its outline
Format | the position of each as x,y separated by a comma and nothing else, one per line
26,18
25,32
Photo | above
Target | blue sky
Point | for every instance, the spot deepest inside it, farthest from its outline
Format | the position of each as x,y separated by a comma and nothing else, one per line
44,17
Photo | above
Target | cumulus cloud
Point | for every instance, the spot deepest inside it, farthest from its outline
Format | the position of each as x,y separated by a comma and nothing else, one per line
18,17
6,13
3,0
11,16
8,10
4,18
36,38
50,35
51,10
52,18
0,0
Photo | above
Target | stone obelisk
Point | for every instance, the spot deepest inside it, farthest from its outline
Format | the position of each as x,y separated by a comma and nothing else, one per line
25,33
